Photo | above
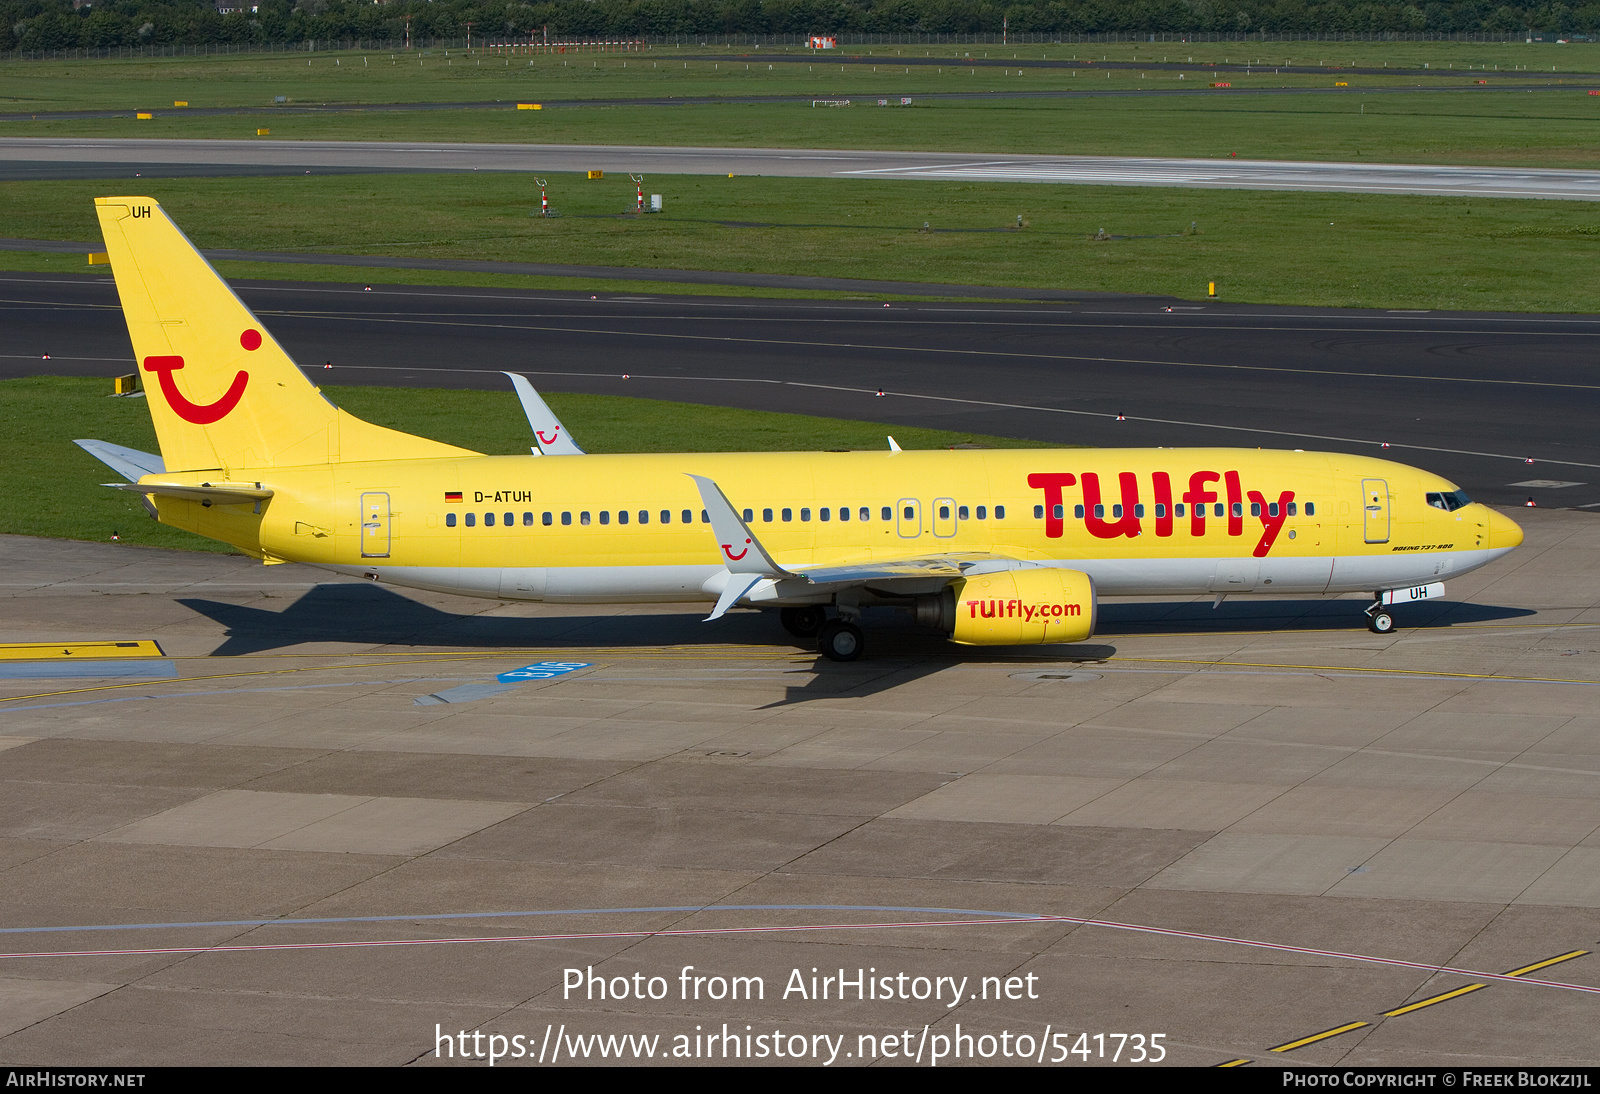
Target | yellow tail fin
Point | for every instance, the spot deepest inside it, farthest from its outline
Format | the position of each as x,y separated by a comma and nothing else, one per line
223,393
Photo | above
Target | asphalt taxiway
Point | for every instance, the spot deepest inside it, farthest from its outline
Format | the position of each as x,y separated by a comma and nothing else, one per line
1260,832
1500,404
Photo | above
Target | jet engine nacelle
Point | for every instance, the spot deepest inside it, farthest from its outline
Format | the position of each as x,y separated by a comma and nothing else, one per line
1023,607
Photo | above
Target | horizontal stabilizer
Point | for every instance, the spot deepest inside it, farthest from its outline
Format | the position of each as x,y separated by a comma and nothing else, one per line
130,463
222,493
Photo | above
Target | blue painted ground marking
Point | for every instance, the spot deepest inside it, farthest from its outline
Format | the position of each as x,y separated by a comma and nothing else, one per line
543,670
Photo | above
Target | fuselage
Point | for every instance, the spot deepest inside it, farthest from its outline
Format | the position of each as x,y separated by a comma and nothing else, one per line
622,528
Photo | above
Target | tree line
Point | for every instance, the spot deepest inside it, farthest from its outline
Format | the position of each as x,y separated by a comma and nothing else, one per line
75,24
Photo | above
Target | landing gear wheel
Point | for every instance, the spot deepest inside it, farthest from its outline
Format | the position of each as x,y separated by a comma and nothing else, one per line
1380,623
803,622
841,641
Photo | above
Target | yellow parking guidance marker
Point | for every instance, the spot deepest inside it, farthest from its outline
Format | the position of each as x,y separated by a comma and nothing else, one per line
61,651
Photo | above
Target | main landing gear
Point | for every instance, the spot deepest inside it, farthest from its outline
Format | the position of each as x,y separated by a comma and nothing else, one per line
837,640
841,641
804,622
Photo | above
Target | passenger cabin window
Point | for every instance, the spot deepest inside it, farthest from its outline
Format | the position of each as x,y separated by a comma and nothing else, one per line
644,516
688,517
472,519
1218,510
566,518
983,512
605,517
961,512
1255,509
787,514
1077,512
488,520
866,514
888,513
622,516
999,512
666,516
944,512
583,517
527,520
1311,508
766,516
449,520
1177,510
1294,508
1038,512
1161,511
824,514
805,514
844,512
1058,511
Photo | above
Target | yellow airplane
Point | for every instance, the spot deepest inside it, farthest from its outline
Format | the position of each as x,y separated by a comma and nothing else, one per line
990,547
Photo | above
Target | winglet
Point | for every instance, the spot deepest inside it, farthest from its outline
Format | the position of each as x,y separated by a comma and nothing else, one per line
892,446
741,552
553,438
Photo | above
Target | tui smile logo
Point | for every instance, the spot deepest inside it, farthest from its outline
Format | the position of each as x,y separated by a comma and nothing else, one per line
198,414
550,439
727,549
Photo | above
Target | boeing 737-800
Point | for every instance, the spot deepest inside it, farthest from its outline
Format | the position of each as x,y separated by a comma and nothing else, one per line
991,547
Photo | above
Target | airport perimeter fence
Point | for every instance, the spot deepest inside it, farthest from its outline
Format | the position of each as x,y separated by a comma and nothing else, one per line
843,40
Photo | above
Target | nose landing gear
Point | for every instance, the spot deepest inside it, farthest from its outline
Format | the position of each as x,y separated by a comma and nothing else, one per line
1379,621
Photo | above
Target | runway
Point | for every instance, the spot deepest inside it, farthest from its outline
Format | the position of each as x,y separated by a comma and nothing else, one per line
93,157
1500,404
1258,835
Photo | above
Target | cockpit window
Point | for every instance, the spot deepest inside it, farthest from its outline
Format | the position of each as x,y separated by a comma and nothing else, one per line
1449,500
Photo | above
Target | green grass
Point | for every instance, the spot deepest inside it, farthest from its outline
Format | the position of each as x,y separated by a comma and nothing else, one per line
1534,129
53,490
432,76
1356,250
1546,128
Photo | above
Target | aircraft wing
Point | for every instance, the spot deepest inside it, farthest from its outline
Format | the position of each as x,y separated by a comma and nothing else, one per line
882,570
752,570
130,463
553,438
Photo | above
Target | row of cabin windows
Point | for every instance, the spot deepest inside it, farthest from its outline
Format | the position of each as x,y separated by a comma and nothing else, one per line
509,520
1219,510
864,513
686,516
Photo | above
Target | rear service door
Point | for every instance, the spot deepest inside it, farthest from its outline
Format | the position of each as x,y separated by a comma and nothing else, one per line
1375,502
374,525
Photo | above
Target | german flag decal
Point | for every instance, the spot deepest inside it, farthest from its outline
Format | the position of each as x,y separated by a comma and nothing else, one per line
452,495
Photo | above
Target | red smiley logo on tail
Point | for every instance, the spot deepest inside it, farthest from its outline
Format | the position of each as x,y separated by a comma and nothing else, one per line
164,367
550,439
727,549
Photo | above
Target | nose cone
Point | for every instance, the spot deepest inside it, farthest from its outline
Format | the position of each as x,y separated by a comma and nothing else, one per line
1504,533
